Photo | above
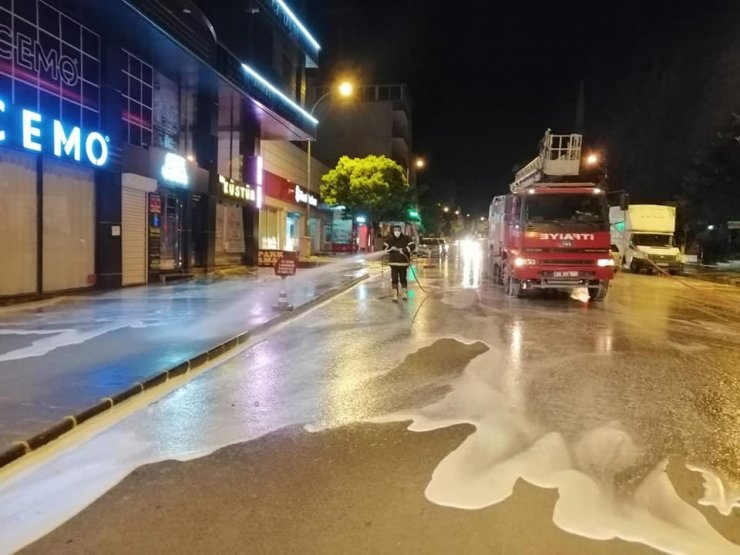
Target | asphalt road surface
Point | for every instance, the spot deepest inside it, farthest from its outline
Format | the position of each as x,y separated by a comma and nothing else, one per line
459,422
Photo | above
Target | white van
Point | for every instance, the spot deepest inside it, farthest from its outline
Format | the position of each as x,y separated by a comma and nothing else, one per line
644,236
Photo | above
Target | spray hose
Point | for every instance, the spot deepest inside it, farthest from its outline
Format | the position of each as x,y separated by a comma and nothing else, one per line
715,294
413,272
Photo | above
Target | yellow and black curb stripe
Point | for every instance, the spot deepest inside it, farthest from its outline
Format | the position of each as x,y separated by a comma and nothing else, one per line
18,449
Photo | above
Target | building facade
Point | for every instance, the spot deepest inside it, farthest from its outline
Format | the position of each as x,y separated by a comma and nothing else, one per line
132,152
290,201
376,121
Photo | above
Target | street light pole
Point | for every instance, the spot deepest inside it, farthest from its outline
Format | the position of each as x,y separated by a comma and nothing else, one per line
345,89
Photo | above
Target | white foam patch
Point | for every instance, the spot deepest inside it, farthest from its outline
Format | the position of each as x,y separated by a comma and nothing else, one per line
715,493
580,294
506,447
65,338
688,347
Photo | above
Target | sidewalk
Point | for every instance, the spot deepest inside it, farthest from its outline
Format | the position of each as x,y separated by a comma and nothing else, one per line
724,272
61,356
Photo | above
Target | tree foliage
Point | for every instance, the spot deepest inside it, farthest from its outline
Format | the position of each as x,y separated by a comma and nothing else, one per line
671,95
374,185
711,188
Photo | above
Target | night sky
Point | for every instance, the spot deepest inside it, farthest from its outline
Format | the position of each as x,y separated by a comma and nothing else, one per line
487,78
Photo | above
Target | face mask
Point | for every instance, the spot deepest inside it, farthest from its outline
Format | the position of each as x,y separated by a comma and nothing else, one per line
397,233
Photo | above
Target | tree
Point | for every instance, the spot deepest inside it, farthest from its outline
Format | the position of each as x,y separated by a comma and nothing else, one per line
710,195
375,186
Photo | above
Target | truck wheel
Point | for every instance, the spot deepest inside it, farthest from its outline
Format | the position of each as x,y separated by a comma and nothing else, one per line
634,268
600,293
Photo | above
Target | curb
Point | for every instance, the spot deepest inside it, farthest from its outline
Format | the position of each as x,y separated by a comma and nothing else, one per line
18,449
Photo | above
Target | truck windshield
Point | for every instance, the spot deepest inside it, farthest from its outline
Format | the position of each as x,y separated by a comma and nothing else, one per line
587,210
652,240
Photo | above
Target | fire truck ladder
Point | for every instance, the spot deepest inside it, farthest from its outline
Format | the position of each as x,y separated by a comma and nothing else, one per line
559,155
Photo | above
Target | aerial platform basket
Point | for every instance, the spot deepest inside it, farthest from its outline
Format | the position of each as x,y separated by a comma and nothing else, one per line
559,155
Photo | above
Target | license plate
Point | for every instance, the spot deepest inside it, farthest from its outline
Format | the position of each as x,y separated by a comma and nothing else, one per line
565,274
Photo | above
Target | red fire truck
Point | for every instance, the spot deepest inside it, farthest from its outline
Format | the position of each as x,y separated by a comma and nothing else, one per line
552,231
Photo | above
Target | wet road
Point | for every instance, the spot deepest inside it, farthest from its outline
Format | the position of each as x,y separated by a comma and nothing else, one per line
61,357
461,422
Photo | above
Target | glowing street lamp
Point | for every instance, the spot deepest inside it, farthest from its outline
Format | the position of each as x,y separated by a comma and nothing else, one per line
593,159
446,209
420,163
345,89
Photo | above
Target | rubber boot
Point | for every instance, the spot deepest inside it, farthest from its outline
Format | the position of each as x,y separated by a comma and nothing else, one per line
395,295
404,294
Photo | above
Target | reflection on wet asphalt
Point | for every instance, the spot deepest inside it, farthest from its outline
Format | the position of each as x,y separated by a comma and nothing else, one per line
63,356
591,400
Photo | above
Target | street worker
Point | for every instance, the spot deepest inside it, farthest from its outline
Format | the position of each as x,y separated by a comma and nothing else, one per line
399,247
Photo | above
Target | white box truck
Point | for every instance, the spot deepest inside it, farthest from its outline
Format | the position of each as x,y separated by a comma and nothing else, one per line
643,234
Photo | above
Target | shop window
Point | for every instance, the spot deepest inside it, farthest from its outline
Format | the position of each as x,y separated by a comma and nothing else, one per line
270,232
292,231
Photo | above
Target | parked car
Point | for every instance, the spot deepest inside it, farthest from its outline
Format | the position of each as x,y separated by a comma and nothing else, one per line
432,247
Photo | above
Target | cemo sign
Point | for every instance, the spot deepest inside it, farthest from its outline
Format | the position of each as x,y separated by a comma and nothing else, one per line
36,133
25,52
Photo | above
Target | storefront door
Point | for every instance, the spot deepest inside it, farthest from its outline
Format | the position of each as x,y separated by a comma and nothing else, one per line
172,250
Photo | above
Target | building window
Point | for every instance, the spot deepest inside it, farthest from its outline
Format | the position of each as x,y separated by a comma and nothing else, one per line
369,94
383,93
137,93
166,108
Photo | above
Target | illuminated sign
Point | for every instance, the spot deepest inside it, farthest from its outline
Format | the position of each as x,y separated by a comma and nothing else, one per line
49,63
26,52
37,133
290,20
259,180
271,90
235,190
304,197
175,169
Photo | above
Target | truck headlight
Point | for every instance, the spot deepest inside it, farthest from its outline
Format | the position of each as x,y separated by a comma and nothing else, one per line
520,262
604,262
